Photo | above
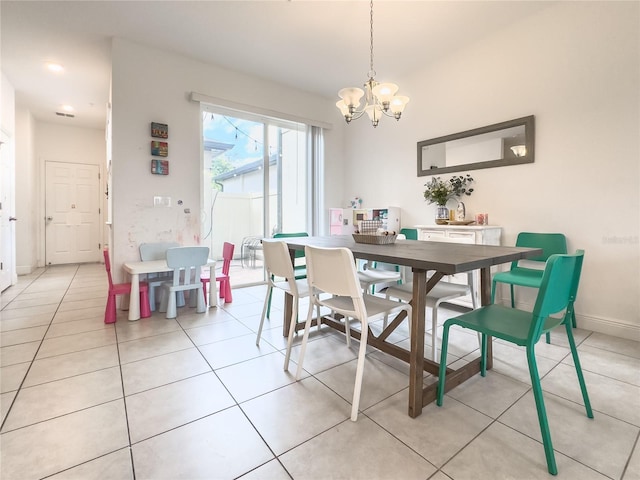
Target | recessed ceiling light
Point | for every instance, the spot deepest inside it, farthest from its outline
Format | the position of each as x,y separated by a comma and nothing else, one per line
67,108
55,67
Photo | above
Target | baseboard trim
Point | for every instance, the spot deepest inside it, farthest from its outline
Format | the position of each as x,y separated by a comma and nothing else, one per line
609,327
24,270
606,326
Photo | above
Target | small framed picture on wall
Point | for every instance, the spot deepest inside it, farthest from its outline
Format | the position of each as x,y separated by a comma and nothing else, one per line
159,130
159,149
160,167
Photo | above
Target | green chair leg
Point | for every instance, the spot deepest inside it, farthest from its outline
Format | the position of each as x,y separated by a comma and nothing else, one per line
513,298
443,364
542,412
576,362
493,292
483,356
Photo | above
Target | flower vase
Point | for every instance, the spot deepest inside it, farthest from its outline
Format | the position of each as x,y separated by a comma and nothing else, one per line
442,215
461,212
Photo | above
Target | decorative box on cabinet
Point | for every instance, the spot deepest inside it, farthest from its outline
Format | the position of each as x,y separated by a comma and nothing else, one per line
478,235
343,221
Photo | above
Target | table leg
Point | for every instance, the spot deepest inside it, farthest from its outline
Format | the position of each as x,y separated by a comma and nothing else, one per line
213,287
416,355
134,297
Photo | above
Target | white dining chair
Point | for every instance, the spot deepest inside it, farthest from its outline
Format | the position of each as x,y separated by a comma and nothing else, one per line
186,263
332,271
373,274
442,292
157,251
280,275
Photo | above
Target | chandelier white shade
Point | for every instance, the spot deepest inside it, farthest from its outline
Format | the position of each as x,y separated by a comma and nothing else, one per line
379,98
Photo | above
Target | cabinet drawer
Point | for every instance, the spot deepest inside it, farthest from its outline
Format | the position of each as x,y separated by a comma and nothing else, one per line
427,235
462,237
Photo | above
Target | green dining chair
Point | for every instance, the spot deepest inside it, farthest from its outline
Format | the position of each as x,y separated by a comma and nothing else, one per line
410,233
551,244
300,271
557,293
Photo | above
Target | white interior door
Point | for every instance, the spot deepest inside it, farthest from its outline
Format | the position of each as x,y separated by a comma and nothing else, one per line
7,212
72,213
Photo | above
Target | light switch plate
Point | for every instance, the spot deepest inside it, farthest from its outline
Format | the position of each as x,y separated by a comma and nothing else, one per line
161,201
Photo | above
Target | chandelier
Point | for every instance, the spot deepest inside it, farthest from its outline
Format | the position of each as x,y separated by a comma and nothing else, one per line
379,98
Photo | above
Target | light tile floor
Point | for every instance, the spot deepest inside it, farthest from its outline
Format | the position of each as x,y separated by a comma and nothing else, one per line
195,398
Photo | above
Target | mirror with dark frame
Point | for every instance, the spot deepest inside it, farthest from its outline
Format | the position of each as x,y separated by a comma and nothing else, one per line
501,144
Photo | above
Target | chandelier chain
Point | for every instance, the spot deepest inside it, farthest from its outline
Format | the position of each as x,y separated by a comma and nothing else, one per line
372,72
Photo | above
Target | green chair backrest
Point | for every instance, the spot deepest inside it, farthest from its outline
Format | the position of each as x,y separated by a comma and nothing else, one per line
299,253
550,243
558,289
410,233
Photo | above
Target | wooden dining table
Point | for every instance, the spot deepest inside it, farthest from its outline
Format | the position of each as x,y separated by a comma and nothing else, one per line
135,269
441,259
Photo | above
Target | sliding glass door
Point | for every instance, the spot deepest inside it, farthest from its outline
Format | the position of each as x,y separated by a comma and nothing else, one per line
255,184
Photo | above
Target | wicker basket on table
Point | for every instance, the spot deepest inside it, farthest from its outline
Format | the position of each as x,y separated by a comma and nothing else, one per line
369,234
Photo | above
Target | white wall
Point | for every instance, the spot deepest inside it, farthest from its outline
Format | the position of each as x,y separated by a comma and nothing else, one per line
27,175
150,85
575,66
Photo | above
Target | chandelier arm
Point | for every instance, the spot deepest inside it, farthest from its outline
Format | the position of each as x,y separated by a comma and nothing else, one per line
357,114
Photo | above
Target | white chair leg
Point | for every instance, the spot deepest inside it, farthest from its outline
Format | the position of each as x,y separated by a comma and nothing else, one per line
152,298
171,305
180,299
434,333
292,330
201,306
164,299
386,315
303,347
347,332
264,314
357,388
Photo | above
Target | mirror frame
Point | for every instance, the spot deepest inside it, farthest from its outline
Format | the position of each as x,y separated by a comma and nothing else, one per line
529,133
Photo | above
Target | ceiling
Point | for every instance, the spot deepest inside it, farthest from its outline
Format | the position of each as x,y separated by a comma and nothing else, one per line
315,46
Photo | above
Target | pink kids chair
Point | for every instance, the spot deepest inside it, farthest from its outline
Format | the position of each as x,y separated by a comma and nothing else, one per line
121,289
223,276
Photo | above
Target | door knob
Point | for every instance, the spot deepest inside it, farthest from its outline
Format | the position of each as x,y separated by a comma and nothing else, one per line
12,219
49,218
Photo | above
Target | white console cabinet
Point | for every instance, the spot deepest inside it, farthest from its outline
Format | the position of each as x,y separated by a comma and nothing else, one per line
473,234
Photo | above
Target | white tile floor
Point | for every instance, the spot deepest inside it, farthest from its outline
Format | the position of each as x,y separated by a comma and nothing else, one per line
195,398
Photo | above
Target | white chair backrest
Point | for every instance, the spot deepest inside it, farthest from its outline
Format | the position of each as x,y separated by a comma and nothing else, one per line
188,259
333,271
155,251
277,260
